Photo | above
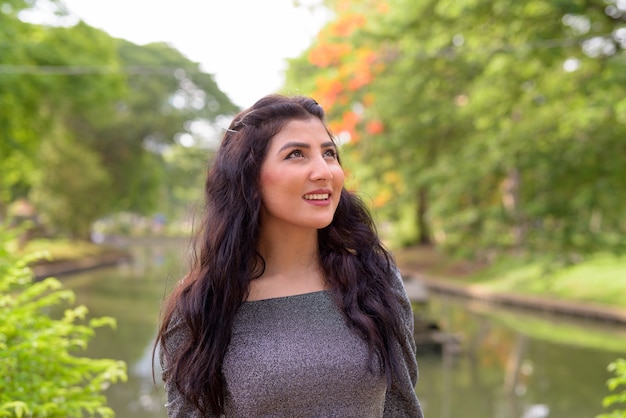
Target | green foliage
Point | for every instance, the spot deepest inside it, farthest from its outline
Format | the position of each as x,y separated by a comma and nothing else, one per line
504,119
42,376
618,382
115,106
156,109
64,190
186,171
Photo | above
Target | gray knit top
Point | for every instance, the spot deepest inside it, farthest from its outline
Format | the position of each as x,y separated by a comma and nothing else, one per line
295,356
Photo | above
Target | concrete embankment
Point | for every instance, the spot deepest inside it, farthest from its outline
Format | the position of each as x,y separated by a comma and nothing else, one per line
415,281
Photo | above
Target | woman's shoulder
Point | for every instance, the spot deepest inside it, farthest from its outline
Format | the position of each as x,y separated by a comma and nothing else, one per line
394,278
176,332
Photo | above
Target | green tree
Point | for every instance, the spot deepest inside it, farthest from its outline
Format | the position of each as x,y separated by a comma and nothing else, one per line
184,180
42,373
68,188
120,105
19,126
497,123
38,92
166,96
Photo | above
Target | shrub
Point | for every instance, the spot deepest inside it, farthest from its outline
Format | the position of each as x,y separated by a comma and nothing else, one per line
617,399
41,374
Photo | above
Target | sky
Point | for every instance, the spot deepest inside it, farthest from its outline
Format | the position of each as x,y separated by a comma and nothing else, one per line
244,43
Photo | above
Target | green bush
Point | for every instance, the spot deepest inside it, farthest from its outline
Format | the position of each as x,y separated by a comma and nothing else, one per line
616,399
41,374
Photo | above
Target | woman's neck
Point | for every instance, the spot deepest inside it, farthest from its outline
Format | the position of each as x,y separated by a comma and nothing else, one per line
291,265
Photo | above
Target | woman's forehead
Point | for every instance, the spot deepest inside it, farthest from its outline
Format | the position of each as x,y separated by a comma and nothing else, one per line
310,128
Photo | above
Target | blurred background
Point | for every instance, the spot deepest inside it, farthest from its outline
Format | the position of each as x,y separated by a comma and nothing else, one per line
487,137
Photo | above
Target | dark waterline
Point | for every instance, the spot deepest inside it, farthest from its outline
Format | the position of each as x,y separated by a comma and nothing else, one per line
511,364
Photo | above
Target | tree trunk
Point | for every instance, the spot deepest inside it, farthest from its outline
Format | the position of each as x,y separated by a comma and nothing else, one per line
511,203
424,237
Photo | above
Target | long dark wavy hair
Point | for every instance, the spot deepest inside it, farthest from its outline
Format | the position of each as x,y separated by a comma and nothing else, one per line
357,268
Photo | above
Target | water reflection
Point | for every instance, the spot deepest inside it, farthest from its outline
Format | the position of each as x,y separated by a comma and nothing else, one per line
515,364
132,293
511,364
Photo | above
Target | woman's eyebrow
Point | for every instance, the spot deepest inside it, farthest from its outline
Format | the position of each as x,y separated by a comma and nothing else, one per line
305,145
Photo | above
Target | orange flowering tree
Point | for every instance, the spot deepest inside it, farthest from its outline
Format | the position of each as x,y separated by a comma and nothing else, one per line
345,67
342,71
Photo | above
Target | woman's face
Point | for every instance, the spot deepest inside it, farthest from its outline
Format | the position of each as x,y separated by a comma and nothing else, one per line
301,179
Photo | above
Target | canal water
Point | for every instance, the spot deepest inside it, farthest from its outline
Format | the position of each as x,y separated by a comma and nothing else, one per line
509,364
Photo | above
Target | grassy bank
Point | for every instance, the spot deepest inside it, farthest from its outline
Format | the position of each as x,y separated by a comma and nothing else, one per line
64,249
600,279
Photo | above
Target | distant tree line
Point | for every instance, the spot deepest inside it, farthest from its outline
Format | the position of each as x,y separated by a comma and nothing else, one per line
92,125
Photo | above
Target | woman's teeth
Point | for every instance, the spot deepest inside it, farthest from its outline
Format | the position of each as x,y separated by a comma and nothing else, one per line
322,196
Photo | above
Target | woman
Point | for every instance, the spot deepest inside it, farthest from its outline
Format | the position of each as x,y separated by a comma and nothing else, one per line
292,307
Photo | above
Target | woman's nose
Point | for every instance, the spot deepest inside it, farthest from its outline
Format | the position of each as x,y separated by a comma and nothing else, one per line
320,170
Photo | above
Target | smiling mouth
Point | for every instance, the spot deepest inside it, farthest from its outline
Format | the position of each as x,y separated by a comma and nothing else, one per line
317,196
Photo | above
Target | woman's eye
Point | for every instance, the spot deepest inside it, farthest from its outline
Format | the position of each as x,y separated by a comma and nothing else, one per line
295,154
330,153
